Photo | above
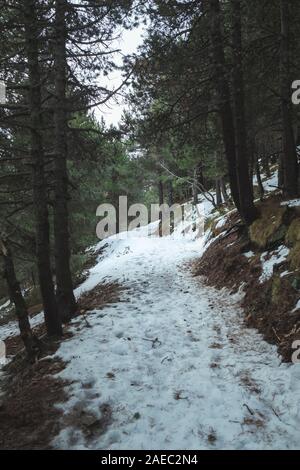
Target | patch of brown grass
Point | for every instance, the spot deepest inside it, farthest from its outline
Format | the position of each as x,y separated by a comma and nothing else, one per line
249,383
256,422
28,418
216,346
14,344
101,295
89,423
212,437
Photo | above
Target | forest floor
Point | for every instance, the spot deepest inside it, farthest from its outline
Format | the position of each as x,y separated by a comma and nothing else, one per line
156,359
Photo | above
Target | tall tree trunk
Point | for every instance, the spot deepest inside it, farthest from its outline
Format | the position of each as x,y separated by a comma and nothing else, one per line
218,193
161,201
199,175
52,320
258,177
247,207
281,170
224,190
171,202
290,165
265,156
64,290
223,93
30,342
218,159
170,193
198,182
195,186
160,192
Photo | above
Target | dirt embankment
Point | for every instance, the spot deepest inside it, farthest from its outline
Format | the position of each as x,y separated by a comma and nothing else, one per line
237,259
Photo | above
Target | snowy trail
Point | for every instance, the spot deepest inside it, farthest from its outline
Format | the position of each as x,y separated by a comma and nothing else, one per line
173,362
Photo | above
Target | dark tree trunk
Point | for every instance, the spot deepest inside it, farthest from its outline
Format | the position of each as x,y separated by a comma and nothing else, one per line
199,175
160,192
170,193
30,342
64,290
218,193
266,163
223,93
218,159
195,186
52,320
198,182
290,165
161,201
224,190
247,207
281,171
258,177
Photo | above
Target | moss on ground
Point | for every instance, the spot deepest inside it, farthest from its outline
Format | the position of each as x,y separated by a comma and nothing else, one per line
276,289
270,228
293,233
294,257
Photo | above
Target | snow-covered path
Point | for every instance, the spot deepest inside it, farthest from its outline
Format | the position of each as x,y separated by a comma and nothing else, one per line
173,362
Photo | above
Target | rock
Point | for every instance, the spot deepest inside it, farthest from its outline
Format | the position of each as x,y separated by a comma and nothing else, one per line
294,256
293,234
271,227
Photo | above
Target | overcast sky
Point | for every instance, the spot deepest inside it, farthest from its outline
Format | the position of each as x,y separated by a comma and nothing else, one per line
128,43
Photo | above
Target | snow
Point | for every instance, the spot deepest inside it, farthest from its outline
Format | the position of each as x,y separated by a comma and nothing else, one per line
173,361
286,273
249,254
5,305
221,222
297,307
3,311
2,353
270,184
271,259
291,203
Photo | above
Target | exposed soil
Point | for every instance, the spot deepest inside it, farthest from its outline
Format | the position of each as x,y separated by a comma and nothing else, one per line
28,417
101,295
224,265
14,344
